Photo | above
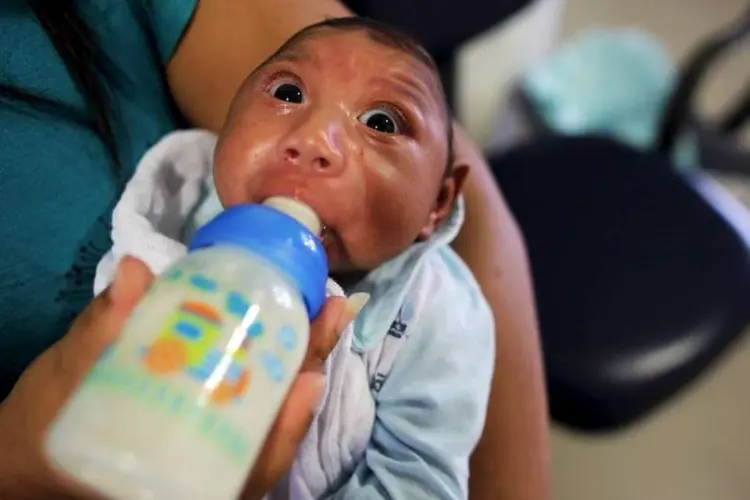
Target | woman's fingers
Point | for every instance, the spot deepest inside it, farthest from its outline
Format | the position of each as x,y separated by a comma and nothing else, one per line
354,304
47,383
298,410
286,434
302,400
100,324
132,279
325,331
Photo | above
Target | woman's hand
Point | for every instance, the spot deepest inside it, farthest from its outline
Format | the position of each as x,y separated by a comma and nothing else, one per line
297,413
48,382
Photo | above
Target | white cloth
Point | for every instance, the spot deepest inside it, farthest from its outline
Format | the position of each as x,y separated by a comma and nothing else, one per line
148,221
151,220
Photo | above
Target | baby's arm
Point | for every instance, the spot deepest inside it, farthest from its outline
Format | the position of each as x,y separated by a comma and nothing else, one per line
431,408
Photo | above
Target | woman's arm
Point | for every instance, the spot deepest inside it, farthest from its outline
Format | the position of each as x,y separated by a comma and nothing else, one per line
225,41
512,459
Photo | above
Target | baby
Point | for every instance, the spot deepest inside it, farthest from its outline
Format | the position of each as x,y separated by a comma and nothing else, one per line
350,117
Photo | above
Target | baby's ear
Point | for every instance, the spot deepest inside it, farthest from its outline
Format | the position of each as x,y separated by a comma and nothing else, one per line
450,189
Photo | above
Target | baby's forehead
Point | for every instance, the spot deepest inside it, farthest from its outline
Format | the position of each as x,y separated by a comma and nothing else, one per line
320,43
318,37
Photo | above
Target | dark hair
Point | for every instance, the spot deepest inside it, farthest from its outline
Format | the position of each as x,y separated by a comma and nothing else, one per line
86,64
387,36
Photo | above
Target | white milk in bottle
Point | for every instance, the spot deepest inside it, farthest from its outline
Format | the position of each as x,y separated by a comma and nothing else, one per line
179,406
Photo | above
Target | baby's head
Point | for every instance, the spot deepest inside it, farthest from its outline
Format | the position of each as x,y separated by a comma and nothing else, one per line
350,117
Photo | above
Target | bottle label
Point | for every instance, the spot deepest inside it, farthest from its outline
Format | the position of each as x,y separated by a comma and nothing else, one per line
196,349
161,396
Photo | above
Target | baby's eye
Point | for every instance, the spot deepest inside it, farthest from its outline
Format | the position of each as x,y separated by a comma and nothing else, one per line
381,120
289,92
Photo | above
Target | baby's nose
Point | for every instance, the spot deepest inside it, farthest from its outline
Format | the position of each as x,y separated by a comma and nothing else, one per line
293,155
316,148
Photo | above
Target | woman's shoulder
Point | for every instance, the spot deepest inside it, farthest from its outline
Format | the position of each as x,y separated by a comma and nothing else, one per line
162,22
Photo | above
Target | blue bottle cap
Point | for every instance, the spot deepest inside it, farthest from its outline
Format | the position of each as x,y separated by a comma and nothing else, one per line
277,237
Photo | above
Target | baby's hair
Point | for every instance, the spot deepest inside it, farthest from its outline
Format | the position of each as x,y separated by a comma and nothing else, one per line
387,36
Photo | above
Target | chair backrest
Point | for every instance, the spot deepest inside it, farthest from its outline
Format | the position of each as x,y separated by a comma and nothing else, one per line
719,148
441,25
641,271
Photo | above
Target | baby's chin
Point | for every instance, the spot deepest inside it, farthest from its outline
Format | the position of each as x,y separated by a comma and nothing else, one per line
348,278
341,269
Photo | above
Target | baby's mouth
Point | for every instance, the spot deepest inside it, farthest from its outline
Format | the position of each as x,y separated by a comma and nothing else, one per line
329,239
326,236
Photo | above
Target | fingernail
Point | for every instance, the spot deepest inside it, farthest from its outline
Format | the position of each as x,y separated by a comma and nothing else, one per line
356,302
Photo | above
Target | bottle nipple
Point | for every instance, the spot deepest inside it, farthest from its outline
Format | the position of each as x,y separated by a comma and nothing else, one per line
298,210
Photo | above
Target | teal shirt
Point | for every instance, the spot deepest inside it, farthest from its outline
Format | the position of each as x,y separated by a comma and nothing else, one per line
57,184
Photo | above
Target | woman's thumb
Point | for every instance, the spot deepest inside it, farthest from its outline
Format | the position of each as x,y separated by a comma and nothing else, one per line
100,323
132,279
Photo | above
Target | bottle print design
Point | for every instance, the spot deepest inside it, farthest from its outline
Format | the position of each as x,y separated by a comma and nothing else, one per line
189,343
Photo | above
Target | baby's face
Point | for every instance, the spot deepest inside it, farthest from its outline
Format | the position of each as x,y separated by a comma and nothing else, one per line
355,129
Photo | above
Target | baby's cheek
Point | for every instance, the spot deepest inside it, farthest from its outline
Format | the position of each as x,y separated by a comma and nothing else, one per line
228,185
231,175
381,240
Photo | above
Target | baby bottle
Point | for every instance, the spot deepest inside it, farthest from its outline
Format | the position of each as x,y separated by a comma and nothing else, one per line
180,405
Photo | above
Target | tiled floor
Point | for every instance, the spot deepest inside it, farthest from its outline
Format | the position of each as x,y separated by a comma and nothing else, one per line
698,446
